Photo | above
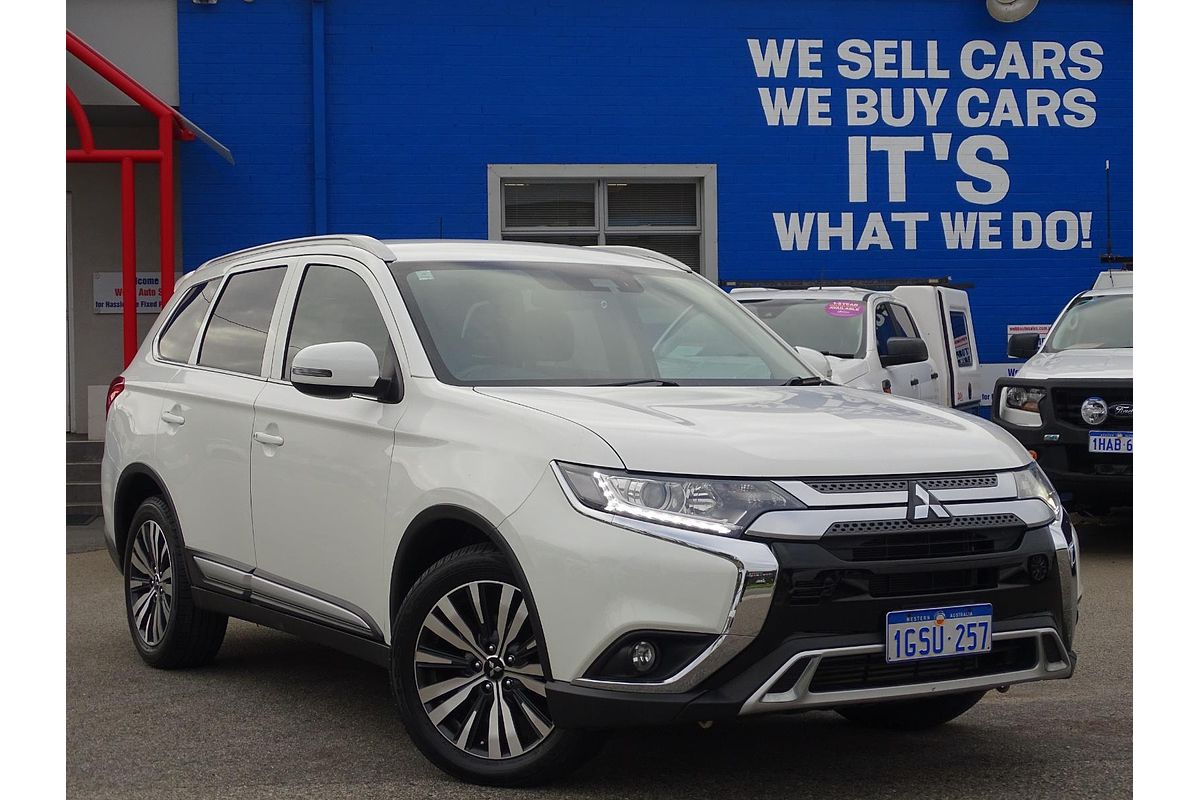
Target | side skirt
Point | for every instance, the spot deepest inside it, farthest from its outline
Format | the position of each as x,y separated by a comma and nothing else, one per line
360,646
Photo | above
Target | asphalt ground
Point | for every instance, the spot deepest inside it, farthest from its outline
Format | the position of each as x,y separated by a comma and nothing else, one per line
276,717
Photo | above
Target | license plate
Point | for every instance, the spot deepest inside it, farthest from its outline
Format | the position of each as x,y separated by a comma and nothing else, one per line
1110,442
938,632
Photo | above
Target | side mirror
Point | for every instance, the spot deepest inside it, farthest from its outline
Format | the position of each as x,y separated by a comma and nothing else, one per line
904,350
1023,345
816,361
335,369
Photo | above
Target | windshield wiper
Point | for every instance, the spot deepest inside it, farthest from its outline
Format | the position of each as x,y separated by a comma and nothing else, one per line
836,355
811,380
642,382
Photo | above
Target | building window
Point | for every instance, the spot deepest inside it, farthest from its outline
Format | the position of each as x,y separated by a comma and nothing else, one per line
667,208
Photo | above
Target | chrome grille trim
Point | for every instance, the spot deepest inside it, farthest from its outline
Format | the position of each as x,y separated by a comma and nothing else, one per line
813,523
816,493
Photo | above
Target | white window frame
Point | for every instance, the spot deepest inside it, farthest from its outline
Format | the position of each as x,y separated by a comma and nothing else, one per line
704,174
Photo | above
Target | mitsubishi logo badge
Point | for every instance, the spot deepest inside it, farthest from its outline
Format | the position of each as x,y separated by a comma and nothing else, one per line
923,505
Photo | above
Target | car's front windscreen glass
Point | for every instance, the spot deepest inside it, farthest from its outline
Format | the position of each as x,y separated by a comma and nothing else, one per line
1099,321
832,327
533,324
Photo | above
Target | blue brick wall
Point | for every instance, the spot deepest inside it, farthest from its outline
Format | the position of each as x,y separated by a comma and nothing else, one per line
422,96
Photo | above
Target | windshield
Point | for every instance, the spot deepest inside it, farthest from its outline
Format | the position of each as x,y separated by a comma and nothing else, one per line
522,324
832,327
1094,322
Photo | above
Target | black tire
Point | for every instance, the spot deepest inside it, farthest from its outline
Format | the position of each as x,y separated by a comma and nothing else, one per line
557,753
183,635
912,715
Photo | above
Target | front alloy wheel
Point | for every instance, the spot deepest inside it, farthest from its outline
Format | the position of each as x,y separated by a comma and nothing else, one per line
469,672
478,674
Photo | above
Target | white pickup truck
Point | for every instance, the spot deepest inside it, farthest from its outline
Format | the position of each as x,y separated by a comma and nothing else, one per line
1072,401
921,342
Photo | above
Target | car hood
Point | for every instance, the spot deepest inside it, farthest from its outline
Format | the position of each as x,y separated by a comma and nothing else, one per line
1100,363
774,431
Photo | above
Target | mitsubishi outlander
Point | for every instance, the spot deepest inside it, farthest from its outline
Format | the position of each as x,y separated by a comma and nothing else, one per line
557,490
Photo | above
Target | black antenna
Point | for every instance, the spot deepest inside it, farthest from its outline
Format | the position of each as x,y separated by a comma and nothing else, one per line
1126,262
440,229
1108,205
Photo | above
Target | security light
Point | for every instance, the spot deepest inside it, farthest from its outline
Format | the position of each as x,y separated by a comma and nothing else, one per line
1011,10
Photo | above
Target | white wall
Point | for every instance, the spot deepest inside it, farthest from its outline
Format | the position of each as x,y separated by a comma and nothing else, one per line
139,36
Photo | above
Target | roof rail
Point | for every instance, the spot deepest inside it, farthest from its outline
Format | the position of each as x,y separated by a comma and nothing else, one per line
644,252
368,243
738,289
840,289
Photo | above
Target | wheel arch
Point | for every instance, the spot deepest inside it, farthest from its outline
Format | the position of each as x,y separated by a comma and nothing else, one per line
137,483
437,532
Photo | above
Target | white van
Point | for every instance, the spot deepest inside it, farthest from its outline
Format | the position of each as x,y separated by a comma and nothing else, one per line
923,343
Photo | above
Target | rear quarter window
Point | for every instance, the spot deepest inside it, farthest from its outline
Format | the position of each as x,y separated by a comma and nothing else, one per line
179,334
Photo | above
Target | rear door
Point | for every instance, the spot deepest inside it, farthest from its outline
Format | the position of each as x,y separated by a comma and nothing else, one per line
967,375
207,411
320,465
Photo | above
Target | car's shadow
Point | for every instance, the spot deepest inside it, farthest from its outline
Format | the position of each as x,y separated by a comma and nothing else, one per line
297,686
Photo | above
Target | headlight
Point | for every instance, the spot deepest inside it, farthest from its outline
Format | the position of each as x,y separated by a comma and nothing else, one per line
1033,483
1023,399
722,507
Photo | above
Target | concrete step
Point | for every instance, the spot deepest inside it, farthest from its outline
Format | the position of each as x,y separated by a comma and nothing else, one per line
83,472
82,451
83,513
83,493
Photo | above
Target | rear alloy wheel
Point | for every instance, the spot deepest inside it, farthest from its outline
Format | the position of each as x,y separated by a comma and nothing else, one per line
167,628
467,669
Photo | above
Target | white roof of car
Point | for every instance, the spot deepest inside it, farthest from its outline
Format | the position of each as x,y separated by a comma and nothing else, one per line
1107,292
444,250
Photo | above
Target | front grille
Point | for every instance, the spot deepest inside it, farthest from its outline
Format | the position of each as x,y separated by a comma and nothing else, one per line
883,545
952,524
853,486
843,673
811,588
1068,400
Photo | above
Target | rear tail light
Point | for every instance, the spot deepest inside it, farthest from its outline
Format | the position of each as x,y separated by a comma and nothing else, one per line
115,388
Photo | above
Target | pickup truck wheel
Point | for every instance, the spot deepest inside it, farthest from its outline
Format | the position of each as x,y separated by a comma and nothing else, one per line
912,715
168,631
468,671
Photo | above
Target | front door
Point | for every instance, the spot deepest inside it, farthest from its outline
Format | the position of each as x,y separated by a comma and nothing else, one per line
893,321
320,466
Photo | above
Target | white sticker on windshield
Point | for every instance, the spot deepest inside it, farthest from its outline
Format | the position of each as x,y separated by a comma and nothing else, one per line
424,275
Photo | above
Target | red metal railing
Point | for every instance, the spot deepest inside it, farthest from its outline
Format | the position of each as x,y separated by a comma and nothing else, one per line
168,131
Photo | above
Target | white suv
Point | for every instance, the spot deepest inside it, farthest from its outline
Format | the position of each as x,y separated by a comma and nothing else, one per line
559,489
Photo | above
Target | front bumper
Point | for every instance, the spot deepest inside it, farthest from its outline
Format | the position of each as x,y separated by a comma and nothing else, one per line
824,648
1061,440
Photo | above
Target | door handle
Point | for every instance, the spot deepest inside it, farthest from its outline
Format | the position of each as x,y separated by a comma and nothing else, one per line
268,438
933,376
172,418
914,382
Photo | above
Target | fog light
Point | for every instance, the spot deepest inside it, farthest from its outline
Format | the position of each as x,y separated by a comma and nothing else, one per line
1039,568
644,656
